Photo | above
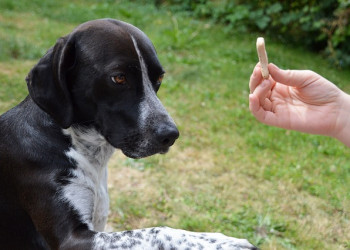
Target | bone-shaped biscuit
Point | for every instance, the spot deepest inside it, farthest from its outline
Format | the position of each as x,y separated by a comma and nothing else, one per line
260,47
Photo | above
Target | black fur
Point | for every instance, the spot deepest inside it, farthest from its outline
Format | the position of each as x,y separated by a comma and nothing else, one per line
70,86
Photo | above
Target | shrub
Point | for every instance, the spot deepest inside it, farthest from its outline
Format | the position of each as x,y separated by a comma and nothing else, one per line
322,26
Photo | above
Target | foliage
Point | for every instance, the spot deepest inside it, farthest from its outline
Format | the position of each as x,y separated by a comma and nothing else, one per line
320,25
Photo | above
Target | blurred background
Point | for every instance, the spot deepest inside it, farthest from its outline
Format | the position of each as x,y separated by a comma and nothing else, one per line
227,172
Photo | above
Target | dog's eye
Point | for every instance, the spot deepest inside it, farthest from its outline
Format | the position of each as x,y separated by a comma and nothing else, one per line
160,78
119,79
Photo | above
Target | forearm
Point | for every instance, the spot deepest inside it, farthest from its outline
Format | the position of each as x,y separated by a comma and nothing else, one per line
343,122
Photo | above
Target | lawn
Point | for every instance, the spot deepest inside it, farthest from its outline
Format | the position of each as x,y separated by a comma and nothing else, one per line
227,172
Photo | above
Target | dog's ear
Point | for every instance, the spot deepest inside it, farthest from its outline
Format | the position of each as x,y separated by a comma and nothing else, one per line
48,84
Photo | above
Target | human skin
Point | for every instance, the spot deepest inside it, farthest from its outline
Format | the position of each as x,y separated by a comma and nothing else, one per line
300,100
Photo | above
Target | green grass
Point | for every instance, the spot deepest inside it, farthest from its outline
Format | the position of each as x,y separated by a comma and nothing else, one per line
227,172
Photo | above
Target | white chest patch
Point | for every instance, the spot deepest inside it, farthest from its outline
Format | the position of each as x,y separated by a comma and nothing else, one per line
87,190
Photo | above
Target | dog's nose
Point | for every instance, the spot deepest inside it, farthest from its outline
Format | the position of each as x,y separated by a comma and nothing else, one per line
167,135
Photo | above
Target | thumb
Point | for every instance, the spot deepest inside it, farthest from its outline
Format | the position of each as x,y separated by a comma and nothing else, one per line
294,78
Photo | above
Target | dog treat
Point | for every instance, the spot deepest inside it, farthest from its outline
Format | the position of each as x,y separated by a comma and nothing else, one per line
260,47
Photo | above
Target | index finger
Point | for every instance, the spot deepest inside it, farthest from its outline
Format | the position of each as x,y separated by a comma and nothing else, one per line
255,78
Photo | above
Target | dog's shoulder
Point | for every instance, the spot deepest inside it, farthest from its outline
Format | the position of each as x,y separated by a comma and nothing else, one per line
11,123
28,134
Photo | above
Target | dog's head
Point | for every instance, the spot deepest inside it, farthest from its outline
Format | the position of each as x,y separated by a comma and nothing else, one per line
106,74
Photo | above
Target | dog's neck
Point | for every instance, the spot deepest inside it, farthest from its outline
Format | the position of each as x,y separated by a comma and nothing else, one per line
89,143
87,189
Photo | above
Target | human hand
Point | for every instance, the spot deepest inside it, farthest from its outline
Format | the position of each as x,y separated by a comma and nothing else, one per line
299,100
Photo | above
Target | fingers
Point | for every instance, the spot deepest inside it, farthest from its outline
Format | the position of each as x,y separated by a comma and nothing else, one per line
255,78
261,88
262,91
260,113
259,99
294,78
254,104
260,104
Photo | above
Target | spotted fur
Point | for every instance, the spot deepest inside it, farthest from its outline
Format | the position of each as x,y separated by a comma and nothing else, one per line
169,239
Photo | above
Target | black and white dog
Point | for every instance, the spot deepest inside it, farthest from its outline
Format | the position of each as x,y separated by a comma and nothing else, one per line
94,91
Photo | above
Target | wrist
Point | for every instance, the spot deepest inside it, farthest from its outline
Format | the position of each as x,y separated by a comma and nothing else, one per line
342,132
